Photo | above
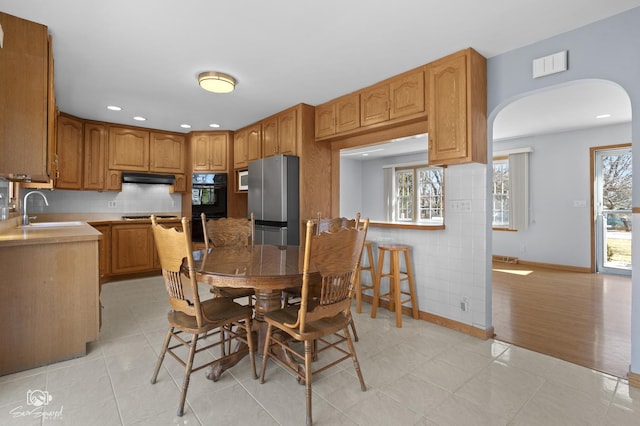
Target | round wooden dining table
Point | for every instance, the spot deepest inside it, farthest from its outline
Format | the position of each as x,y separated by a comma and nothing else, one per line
268,269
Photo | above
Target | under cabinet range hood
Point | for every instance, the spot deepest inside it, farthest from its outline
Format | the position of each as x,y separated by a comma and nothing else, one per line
148,178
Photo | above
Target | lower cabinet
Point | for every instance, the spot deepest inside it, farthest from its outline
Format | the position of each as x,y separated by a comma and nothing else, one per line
128,248
132,248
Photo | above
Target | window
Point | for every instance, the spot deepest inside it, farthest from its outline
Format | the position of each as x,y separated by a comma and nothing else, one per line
510,190
419,195
500,192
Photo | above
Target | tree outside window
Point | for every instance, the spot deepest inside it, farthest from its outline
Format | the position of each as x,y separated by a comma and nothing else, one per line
500,192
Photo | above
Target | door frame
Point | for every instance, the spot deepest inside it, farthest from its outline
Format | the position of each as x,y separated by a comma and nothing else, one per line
592,211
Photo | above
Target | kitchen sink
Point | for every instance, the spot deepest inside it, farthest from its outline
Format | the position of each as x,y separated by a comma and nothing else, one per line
51,224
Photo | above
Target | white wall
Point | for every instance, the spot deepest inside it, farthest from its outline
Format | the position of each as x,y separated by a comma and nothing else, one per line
559,232
448,264
607,50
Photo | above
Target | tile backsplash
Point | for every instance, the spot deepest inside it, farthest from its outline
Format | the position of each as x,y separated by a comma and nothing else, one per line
134,198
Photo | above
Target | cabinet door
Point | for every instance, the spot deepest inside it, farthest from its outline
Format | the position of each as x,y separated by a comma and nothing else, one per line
254,142
447,109
326,119
95,156
200,152
288,132
23,99
70,153
270,137
166,153
132,248
240,149
374,104
128,149
348,113
114,180
218,152
407,95
180,185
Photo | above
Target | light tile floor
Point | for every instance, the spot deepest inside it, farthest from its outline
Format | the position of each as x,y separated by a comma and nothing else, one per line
421,374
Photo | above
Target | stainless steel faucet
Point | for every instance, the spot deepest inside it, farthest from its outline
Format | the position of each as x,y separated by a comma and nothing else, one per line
25,216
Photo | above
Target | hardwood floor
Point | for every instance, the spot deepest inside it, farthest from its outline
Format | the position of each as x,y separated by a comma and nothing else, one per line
578,317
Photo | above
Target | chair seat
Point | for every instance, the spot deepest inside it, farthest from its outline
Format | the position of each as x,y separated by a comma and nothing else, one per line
217,311
313,329
232,293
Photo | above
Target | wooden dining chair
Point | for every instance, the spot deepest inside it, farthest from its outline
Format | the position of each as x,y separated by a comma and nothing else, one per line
229,231
189,315
335,256
291,296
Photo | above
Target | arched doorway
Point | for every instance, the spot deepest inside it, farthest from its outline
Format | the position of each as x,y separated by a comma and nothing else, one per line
558,126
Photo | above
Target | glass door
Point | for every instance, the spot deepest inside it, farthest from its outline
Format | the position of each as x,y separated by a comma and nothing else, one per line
612,202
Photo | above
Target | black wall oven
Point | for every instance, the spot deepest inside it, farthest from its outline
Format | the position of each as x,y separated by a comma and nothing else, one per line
208,195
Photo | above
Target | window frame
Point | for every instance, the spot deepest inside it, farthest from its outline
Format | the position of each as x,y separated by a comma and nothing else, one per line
416,198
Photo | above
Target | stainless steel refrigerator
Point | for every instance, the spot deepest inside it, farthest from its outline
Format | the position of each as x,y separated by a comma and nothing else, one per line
274,199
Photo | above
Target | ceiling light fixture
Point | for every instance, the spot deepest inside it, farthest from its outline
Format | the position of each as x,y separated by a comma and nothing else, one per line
114,108
216,82
138,118
603,116
214,125
185,126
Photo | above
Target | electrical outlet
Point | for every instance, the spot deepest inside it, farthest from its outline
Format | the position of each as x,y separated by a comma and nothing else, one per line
113,204
464,304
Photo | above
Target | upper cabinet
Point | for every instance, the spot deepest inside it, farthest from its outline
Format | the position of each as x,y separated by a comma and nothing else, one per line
166,153
398,97
247,145
279,133
394,101
128,149
457,87
338,116
69,153
209,151
25,80
95,156
136,149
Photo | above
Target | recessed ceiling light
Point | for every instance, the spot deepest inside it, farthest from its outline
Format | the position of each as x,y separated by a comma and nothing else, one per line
185,126
138,118
603,116
114,108
214,125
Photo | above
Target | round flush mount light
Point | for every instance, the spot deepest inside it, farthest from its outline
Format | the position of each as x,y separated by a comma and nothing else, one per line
216,82
139,118
185,126
114,108
214,125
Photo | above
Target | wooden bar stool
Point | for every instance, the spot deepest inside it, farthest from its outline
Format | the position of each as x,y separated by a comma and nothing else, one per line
368,246
396,276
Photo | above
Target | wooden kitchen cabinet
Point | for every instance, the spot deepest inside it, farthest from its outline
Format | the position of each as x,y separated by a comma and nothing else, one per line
209,151
25,80
132,248
398,97
240,149
457,125
280,133
95,156
254,142
337,116
180,185
166,153
128,149
69,153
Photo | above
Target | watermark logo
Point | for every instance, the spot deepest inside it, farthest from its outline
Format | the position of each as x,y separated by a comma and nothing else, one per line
38,406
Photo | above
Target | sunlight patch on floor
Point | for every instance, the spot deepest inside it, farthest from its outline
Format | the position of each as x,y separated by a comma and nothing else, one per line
511,271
